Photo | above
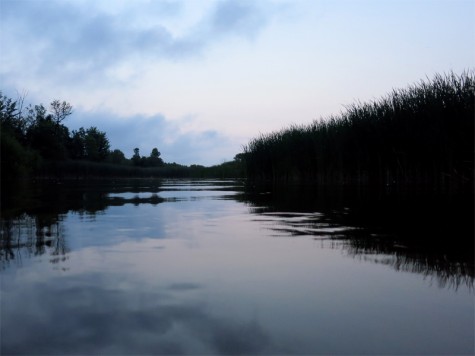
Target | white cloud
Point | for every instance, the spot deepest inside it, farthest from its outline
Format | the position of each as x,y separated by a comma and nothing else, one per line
173,140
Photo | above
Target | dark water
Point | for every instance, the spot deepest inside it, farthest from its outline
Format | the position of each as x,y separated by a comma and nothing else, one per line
208,267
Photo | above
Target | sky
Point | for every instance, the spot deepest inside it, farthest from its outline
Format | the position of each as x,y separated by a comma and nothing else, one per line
199,79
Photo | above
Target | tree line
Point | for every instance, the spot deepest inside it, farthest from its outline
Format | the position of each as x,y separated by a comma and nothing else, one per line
421,136
34,136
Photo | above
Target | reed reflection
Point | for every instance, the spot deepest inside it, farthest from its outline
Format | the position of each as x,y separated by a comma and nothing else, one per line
430,237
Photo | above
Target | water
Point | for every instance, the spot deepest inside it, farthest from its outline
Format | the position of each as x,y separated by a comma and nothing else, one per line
206,267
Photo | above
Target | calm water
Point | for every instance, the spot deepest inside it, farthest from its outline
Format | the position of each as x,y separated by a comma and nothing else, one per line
205,267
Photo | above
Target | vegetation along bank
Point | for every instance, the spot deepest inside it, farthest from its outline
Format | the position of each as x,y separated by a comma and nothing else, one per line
420,137
35,143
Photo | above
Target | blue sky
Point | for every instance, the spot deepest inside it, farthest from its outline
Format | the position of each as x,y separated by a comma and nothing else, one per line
199,79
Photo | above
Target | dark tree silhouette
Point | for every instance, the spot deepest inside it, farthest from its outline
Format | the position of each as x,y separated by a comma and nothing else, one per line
48,138
117,157
96,145
154,160
77,148
136,157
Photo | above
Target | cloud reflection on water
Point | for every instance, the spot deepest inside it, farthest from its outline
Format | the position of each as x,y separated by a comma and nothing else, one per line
98,319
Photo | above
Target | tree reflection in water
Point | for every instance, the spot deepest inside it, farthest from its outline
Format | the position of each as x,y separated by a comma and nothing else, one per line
433,240
26,236
32,215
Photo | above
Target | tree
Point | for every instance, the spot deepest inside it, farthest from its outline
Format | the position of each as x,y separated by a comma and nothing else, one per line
154,160
90,144
117,157
15,159
155,153
12,119
60,110
48,138
77,144
136,157
44,131
96,145
8,111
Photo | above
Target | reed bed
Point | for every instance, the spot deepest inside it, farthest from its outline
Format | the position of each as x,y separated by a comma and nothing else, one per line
82,169
419,136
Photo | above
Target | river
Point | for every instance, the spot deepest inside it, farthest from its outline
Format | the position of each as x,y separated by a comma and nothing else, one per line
211,267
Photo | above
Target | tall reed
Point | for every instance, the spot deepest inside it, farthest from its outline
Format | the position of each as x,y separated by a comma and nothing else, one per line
421,136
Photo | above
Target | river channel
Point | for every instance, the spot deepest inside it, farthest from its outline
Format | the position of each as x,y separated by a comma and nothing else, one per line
213,267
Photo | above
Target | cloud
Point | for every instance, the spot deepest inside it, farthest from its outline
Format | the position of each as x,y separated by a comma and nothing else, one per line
136,59
69,41
176,144
237,17
66,42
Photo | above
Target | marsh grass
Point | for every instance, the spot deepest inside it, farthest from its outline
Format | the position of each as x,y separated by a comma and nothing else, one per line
77,169
419,136
82,169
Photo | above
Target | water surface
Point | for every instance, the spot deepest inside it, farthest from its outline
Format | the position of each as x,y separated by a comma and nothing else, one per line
189,267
